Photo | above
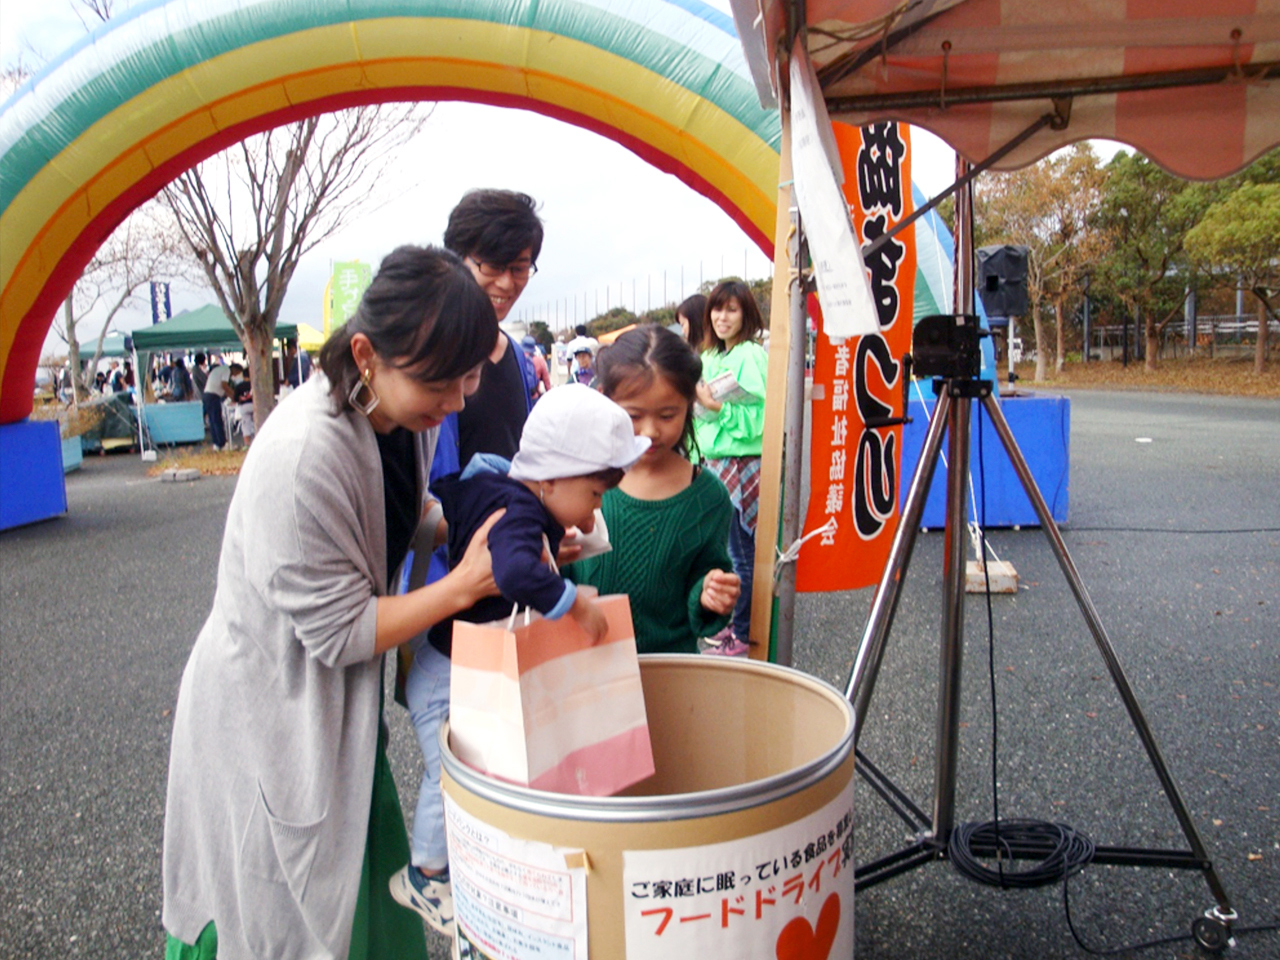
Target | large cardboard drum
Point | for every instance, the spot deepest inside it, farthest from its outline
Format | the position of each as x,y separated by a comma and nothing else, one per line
739,845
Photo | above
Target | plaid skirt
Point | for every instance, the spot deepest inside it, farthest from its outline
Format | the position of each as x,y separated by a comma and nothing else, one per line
741,477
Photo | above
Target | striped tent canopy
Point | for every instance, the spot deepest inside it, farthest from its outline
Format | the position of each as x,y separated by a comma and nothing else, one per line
1193,84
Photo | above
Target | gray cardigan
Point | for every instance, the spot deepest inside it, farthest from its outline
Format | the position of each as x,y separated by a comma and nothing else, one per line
275,730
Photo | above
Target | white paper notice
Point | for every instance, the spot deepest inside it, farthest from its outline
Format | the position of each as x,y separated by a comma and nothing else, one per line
843,289
787,893
514,899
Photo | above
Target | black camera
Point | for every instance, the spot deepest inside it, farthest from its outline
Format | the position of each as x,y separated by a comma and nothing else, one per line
946,345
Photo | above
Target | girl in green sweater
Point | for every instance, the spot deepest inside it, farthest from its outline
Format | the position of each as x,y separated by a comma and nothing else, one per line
668,520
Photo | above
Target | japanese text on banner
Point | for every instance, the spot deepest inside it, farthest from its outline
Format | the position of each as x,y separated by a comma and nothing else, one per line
855,469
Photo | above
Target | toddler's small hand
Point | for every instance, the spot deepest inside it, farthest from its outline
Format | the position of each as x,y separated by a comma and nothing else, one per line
590,617
720,591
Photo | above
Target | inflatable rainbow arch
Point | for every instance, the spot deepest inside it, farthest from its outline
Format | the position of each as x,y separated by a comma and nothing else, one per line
171,82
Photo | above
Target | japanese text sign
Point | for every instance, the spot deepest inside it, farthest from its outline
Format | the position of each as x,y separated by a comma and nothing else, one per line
855,468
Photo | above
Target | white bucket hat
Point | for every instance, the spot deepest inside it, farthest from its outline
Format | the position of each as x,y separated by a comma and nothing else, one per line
573,431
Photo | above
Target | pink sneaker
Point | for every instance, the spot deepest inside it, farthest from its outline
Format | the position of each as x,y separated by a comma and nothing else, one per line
719,638
733,647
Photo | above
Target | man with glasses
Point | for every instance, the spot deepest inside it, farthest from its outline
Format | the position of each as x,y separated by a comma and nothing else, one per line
498,235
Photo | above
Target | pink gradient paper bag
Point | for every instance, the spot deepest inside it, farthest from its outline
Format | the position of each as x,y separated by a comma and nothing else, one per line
534,702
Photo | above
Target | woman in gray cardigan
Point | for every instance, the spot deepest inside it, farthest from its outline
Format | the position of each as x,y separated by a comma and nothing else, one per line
280,803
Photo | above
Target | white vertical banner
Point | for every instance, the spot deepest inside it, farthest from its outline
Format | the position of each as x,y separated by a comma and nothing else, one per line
843,289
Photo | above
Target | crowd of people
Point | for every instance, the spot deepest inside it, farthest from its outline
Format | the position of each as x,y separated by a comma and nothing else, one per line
429,472
221,385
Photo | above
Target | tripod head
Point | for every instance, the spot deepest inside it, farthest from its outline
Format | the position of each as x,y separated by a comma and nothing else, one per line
946,346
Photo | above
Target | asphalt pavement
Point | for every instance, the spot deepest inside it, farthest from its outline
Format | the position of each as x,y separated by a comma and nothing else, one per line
1174,526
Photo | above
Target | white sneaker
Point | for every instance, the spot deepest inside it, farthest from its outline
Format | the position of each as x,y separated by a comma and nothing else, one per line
430,896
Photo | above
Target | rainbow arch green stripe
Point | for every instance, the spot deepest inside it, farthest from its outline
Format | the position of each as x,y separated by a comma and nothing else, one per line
122,112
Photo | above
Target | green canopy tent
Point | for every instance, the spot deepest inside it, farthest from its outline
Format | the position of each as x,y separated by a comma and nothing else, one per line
206,328
112,346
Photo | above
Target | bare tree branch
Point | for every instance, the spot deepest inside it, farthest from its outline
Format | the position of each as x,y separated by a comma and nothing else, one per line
144,248
250,214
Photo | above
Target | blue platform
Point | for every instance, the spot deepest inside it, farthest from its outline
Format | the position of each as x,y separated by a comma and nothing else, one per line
1041,427
170,423
72,454
31,482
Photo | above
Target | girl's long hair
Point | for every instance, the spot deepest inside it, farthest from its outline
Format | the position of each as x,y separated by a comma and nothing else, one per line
694,309
637,357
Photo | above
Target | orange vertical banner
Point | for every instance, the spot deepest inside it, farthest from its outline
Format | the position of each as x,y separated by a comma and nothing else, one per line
855,470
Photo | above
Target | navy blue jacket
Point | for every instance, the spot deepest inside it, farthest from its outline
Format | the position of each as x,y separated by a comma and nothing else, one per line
515,544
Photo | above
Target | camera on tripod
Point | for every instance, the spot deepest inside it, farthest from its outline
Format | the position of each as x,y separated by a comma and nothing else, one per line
947,346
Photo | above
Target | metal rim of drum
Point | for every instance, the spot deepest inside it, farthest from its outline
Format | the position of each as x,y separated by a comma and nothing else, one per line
674,806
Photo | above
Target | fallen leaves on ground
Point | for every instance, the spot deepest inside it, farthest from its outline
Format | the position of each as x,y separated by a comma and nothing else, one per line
1231,376
203,458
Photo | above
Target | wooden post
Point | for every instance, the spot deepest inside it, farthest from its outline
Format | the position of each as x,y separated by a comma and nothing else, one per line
775,403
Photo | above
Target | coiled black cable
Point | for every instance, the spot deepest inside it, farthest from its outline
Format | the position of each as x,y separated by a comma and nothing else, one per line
1064,852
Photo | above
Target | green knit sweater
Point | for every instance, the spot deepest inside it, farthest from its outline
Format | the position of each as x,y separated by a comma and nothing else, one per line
662,549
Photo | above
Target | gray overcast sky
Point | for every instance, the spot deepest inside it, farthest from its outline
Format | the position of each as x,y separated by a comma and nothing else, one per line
618,230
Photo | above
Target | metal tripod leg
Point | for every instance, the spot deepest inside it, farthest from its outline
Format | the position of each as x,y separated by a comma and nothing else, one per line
952,413
1105,648
866,662
949,668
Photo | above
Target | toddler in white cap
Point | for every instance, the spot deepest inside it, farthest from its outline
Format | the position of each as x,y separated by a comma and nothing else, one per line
576,444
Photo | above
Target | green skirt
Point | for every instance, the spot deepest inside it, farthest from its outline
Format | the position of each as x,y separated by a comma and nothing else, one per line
381,928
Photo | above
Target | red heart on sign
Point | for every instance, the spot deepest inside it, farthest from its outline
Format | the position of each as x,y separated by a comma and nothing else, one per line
799,941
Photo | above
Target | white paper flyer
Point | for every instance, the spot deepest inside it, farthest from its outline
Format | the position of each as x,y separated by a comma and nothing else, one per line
514,899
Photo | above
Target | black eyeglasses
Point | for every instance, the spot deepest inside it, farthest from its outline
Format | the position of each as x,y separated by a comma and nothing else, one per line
518,270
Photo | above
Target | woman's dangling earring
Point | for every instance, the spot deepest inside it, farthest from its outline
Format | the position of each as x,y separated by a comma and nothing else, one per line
365,382
542,494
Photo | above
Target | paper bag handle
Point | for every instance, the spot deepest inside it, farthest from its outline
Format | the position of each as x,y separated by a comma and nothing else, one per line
528,612
515,611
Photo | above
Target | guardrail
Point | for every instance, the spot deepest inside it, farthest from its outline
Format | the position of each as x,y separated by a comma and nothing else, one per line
1226,335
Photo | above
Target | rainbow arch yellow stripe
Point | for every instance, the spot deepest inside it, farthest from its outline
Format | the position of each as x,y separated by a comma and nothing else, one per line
172,82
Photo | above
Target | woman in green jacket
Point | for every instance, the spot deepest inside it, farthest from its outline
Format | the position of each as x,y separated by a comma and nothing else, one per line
730,431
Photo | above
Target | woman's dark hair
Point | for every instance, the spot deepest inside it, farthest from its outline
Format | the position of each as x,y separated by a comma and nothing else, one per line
423,313
752,323
639,356
694,309
494,225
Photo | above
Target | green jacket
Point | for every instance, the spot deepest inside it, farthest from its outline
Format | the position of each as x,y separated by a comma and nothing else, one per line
738,429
